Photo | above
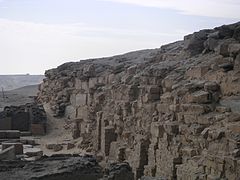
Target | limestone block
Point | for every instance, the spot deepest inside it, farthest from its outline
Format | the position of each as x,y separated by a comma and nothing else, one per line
211,44
17,146
73,99
192,109
197,72
166,98
111,78
33,152
10,134
8,154
216,134
76,131
223,109
157,129
70,112
54,147
163,108
168,83
236,153
109,136
194,43
237,62
234,49
113,152
3,134
38,129
78,84
81,99
92,82
150,97
199,97
174,107
189,152
224,50
211,86
171,128
204,133
230,168
196,129
85,86
6,123
190,118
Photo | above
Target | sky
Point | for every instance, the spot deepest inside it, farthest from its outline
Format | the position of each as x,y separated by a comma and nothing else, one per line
36,35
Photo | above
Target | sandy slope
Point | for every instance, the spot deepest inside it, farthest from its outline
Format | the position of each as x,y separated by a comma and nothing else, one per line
58,133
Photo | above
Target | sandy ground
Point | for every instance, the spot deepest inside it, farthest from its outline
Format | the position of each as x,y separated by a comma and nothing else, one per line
58,132
58,129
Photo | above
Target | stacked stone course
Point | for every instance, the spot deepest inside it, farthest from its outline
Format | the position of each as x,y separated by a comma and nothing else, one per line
167,111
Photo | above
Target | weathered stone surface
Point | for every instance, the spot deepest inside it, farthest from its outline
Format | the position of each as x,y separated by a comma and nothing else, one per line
169,112
8,154
58,167
17,146
54,147
119,171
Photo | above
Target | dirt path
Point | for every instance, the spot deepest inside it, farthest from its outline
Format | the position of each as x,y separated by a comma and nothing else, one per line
58,132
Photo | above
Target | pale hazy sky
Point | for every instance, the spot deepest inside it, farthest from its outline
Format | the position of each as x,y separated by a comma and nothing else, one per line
36,35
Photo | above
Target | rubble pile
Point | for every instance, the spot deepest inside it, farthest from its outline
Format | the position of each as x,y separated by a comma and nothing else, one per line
170,112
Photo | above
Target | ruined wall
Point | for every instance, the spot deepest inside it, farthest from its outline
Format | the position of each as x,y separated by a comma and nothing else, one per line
29,117
161,110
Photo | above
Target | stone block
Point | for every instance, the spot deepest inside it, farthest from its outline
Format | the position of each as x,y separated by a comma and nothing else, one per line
17,146
83,113
78,84
157,129
171,128
33,152
12,134
199,97
109,136
70,146
192,109
167,98
189,152
163,108
38,129
6,123
234,49
224,50
190,118
237,62
211,44
3,134
204,133
54,147
223,109
196,129
174,107
93,82
81,99
85,86
211,86
20,121
197,72
8,154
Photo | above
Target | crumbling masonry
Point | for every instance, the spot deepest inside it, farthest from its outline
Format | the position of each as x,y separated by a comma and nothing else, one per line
171,112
